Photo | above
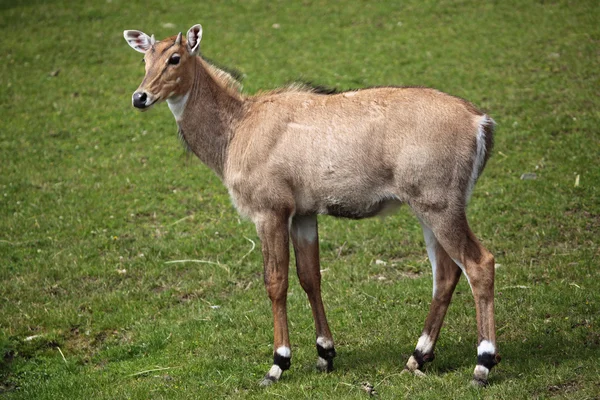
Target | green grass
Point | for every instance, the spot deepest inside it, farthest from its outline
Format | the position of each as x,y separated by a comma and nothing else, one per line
95,198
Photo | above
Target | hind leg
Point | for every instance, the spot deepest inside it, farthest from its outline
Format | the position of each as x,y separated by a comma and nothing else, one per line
453,233
446,275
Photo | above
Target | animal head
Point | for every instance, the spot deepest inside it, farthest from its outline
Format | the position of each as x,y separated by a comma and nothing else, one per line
169,65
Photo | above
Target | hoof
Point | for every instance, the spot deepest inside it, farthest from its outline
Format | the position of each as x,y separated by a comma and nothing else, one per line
415,372
412,366
324,365
479,383
326,353
480,376
268,381
272,376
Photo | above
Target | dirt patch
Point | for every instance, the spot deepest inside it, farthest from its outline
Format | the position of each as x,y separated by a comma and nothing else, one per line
86,344
592,339
564,388
592,220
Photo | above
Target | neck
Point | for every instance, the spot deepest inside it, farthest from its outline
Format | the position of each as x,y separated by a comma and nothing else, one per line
206,115
177,105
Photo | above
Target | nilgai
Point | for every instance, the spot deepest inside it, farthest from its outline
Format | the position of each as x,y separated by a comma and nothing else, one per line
291,154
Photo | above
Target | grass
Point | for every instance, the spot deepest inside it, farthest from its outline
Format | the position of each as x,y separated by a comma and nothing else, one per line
96,198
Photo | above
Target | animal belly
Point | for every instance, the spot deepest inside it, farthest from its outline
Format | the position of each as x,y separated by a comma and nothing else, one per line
361,210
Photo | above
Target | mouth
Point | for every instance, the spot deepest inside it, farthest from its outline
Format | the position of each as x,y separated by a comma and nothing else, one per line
146,106
143,101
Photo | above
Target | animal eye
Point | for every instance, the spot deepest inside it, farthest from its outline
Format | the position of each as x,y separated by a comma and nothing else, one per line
174,60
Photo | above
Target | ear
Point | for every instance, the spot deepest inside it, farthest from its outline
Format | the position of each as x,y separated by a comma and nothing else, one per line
194,36
138,41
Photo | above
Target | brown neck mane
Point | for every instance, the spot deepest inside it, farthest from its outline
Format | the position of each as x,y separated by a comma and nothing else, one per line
213,106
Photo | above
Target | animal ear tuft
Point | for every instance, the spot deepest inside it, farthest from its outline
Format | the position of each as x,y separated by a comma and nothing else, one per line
138,41
194,36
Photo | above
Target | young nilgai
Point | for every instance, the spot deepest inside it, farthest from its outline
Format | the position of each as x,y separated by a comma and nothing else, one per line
288,155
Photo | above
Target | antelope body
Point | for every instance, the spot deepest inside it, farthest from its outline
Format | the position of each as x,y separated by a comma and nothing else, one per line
288,155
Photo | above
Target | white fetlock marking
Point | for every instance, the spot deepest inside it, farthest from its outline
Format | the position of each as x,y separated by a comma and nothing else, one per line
412,364
481,373
275,372
324,343
425,344
322,364
284,351
485,347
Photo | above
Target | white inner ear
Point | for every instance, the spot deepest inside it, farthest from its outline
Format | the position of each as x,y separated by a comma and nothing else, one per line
138,41
194,36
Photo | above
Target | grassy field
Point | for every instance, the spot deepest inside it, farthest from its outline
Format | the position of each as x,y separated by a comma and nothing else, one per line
97,199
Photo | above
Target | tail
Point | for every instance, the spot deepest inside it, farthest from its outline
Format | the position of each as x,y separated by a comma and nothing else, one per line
484,143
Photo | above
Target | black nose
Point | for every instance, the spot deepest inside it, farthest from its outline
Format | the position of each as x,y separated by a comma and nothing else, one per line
139,99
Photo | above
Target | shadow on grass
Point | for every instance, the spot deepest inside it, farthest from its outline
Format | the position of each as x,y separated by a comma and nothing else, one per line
544,351
5,363
538,352
390,356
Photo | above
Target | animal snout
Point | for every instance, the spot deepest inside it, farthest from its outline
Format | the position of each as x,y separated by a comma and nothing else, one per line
139,99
